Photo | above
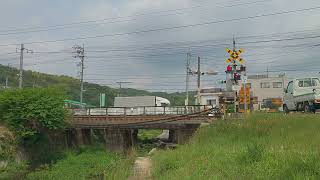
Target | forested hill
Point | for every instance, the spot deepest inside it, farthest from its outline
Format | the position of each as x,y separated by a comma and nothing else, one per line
71,86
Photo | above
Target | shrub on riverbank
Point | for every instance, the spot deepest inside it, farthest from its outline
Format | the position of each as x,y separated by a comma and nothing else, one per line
92,163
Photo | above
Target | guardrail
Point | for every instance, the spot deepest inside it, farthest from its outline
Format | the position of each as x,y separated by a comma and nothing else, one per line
146,110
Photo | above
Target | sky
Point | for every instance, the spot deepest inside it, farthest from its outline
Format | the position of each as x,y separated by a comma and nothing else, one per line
146,42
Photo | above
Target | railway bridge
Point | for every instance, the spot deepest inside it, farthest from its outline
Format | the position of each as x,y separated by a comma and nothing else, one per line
120,125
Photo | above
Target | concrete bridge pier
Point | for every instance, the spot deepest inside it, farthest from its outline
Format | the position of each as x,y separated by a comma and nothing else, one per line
78,137
182,134
83,136
86,135
134,136
118,140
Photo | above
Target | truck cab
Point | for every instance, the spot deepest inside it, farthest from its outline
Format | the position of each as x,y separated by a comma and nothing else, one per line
302,94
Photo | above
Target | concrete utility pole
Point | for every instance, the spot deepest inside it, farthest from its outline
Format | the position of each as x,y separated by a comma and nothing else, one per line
21,64
233,70
243,83
120,86
187,78
199,76
7,77
79,53
283,85
7,80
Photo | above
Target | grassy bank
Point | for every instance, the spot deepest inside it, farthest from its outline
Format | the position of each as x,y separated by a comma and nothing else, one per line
263,146
86,164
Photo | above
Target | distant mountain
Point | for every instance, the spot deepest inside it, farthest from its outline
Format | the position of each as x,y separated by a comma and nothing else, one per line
72,87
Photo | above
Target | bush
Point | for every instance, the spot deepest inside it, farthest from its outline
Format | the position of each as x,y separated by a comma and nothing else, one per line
13,170
28,112
34,115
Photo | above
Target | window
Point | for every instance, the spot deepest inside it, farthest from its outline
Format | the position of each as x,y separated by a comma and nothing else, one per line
211,102
315,82
265,85
277,84
290,87
308,82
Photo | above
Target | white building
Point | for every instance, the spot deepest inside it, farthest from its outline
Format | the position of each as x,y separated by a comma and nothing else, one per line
210,96
266,87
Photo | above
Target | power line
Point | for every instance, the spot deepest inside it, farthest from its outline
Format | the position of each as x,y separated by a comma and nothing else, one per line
166,46
71,25
189,43
177,53
172,27
263,41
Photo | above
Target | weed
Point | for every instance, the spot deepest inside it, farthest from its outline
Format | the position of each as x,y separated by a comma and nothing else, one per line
254,153
263,146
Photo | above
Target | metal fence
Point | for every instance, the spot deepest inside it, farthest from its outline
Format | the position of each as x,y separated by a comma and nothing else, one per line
176,110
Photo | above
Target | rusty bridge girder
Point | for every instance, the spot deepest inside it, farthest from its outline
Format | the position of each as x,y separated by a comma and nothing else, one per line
120,130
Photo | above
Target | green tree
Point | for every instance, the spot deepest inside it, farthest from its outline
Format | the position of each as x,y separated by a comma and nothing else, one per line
29,112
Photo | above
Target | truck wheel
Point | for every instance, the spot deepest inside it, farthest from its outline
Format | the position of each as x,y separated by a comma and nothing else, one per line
307,108
285,109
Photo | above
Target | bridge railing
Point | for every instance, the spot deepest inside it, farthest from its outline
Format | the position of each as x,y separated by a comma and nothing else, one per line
147,110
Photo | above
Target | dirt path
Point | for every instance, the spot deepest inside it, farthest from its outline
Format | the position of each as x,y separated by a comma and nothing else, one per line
142,168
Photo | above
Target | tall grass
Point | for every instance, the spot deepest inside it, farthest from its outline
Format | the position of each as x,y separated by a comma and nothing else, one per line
263,146
92,163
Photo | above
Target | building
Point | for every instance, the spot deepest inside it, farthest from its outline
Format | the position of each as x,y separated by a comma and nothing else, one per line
265,87
210,96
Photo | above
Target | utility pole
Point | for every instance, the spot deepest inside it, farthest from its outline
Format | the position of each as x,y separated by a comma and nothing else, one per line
120,86
21,64
199,75
244,81
7,80
7,77
187,77
79,53
283,85
234,70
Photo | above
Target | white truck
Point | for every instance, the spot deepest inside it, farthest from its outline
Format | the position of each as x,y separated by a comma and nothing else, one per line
140,101
302,94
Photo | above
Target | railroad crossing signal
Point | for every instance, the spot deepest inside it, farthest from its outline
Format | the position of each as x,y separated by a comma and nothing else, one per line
234,55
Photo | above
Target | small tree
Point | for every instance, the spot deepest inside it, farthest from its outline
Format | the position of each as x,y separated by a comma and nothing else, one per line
29,112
